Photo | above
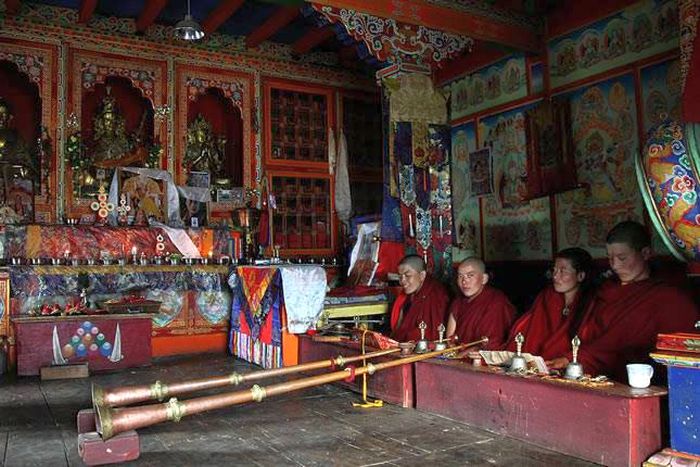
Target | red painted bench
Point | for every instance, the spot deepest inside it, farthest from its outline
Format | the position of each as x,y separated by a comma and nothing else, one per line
614,426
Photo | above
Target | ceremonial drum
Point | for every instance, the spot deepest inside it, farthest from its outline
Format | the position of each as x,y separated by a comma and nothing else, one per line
667,172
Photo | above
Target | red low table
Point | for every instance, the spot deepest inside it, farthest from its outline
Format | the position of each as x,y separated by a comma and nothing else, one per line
613,426
394,385
45,341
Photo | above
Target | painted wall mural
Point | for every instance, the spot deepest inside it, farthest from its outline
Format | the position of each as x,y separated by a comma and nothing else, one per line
604,121
516,229
661,93
639,31
502,82
465,208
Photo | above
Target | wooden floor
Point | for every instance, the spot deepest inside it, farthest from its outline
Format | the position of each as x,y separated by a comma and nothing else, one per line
317,427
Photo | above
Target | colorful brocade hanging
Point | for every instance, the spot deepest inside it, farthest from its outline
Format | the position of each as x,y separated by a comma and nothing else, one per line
420,153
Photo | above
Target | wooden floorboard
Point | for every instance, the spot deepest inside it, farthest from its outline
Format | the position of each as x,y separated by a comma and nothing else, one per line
314,427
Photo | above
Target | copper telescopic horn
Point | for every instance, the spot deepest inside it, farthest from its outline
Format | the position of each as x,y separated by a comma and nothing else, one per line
128,395
111,421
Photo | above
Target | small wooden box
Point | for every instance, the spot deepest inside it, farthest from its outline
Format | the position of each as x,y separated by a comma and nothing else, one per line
77,370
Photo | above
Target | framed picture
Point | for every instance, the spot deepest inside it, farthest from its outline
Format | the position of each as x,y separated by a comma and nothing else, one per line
146,196
199,179
193,212
224,196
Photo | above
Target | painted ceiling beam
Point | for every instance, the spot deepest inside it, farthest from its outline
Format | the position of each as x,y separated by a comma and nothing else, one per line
455,20
279,19
150,12
481,55
220,14
86,9
312,38
573,14
11,7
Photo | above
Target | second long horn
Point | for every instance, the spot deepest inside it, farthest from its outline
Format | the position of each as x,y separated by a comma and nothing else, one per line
127,395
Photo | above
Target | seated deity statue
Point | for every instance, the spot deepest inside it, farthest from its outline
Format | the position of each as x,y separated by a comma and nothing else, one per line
111,140
205,152
13,150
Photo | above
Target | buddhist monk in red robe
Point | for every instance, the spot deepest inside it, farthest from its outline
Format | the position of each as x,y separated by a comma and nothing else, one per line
553,319
482,311
422,299
630,309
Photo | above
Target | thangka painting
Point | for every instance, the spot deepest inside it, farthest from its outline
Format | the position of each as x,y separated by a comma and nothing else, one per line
465,208
551,167
514,228
604,125
480,172
661,93
637,32
502,82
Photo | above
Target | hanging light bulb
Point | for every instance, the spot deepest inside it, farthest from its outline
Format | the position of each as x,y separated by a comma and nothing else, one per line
188,29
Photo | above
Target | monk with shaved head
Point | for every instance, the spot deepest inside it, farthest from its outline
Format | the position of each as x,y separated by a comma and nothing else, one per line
482,311
422,299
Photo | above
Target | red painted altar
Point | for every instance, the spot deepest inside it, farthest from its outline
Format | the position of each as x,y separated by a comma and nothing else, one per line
194,298
105,342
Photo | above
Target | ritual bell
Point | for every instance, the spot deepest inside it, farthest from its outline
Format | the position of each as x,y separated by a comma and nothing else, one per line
422,344
518,362
574,370
441,344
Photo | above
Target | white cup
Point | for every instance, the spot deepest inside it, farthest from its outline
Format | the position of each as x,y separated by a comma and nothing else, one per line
639,375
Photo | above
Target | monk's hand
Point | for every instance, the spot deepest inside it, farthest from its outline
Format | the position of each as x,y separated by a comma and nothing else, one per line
557,363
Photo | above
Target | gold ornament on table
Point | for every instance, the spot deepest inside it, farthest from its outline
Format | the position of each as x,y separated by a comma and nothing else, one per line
101,206
123,210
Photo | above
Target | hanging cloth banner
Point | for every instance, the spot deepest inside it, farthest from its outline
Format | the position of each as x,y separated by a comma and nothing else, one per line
343,198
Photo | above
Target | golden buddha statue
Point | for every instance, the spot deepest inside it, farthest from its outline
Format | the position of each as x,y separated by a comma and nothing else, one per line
205,152
13,150
111,142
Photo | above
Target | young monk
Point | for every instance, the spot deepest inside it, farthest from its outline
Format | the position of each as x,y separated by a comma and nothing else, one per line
421,299
630,309
551,322
482,311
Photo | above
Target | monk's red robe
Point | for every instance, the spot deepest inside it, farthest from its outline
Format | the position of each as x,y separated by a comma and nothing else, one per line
428,304
622,324
545,327
489,314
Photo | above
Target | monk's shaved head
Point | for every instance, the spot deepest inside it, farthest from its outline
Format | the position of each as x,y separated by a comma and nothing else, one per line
631,233
414,262
475,262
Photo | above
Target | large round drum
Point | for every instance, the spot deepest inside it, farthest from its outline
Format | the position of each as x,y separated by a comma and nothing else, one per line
667,172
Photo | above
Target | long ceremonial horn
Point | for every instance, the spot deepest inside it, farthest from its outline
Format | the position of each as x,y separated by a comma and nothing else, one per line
111,421
128,395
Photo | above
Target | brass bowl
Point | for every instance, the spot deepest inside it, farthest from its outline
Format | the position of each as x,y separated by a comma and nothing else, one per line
407,347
